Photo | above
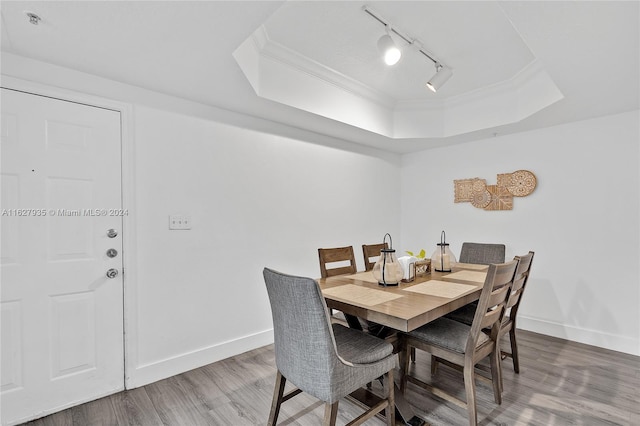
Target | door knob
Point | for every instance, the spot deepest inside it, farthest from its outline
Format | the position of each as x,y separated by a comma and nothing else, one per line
112,252
112,233
112,273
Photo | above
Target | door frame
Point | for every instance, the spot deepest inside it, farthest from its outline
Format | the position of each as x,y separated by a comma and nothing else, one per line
127,183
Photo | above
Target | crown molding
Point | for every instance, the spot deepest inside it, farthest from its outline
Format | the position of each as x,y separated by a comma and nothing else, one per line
284,75
288,57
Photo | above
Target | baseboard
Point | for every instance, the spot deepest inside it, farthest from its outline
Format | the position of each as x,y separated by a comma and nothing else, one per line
149,373
597,338
44,413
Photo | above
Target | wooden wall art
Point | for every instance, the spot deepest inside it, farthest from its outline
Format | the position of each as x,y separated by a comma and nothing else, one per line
495,197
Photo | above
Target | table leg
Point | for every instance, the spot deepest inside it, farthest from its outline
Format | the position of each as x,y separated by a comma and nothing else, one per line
404,412
353,322
403,408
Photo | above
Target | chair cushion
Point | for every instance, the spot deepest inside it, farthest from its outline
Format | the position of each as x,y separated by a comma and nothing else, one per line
465,314
358,347
446,333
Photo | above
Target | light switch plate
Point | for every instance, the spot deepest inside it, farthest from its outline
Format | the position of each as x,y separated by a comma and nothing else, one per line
179,222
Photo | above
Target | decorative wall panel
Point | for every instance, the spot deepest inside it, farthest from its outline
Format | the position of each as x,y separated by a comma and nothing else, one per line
495,197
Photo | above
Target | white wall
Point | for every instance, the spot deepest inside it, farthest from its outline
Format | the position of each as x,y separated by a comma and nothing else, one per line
259,194
255,200
582,221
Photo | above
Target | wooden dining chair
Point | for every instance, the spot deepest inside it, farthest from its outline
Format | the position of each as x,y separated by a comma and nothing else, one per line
513,304
482,253
321,358
343,255
464,345
339,255
466,313
333,261
370,251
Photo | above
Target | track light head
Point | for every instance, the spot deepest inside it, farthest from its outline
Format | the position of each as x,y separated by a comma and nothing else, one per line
443,74
392,53
389,49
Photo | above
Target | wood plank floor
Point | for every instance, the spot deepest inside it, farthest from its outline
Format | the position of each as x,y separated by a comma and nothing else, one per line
560,383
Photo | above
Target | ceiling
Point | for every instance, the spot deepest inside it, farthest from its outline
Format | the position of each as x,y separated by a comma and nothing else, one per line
518,65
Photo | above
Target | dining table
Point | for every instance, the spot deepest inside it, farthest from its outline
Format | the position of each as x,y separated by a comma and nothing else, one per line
403,307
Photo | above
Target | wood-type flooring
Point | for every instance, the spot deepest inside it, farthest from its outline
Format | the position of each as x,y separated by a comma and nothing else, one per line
560,383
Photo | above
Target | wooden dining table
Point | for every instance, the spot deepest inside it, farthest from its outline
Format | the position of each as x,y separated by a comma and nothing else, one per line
404,307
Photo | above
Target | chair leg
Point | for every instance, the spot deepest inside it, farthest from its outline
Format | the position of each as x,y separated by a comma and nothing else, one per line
405,360
470,390
514,349
277,399
496,375
434,364
391,409
330,414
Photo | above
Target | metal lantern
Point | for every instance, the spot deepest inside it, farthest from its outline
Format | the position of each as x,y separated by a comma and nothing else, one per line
442,258
387,269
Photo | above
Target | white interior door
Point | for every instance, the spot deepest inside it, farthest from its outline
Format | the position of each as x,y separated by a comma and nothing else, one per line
62,317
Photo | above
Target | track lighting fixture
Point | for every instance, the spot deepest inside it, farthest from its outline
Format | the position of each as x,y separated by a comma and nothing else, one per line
389,49
392,53
442,75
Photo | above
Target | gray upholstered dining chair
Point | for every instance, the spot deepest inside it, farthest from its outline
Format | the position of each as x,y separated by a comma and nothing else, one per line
466,313
463,345
482,253
325,360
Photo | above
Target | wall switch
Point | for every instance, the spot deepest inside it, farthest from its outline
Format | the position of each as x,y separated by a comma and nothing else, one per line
179,221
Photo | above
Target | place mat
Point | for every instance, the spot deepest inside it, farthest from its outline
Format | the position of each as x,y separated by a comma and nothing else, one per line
441,289
473,266
360,295
363,276
473,276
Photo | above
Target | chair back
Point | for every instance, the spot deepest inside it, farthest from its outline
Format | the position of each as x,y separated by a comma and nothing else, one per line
304,343
372,250
519,282
482,253
333,255
491,305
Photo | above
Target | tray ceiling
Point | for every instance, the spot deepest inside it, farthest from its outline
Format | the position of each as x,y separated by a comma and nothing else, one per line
339,73
518,65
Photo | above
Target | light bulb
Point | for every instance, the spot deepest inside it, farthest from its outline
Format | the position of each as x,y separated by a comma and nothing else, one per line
391,52
443,74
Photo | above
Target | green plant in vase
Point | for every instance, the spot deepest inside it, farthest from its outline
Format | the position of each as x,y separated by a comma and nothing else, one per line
422,255
422,266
